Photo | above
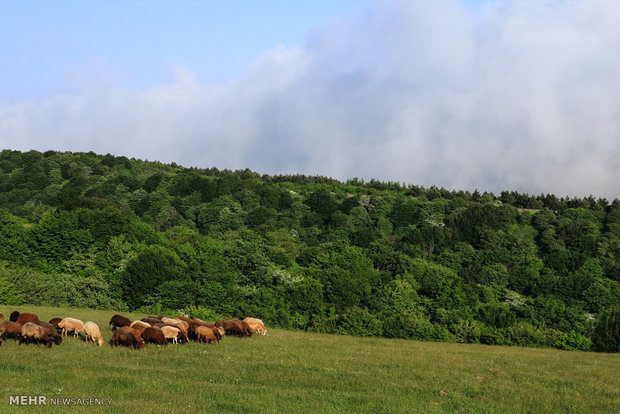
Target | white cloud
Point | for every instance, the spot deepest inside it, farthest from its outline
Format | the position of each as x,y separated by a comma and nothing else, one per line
521,96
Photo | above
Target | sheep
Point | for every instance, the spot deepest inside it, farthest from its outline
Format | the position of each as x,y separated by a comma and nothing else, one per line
12,329
154,335
185,319
92,332
205,334
234,326
171,332
71,325
137,334
152,320
256,325
118,321
1,315
126,337
54,322
139,326
51,331
27,317
180,324
191,331
14,316
32,332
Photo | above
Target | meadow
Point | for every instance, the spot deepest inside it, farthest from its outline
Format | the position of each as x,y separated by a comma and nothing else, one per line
288,371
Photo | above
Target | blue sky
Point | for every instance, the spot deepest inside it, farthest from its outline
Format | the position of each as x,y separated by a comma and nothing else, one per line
46,44
489,95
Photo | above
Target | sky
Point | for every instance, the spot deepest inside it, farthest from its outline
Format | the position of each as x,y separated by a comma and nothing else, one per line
493,95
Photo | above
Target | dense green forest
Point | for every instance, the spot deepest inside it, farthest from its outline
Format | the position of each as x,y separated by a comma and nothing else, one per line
312,253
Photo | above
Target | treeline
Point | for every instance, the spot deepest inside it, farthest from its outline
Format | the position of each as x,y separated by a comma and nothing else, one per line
311,253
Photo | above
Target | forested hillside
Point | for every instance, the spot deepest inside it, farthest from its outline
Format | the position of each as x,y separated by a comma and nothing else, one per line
311,253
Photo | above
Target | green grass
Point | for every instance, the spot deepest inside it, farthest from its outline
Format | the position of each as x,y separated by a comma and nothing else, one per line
303,372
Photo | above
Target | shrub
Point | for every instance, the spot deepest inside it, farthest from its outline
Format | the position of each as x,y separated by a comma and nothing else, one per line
524,334
606,337
573,341
360,322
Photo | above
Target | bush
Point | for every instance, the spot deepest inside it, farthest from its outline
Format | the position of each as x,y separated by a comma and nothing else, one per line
492,336
573,341
360,322
524,334
606,337
201,312
466,331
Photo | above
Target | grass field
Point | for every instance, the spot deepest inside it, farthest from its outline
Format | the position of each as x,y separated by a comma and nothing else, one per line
302,372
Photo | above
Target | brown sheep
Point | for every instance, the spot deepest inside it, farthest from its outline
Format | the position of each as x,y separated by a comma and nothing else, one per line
12,329
152,320
206,335
155,336
234,327
256,325
51,331
191,331
137,334
27,317
54,322
218,332
92,332
31,332
1,315
139,326
127,338
14,316
71,325
185,319
118,321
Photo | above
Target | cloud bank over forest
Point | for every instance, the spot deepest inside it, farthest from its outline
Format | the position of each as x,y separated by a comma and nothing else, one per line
517,96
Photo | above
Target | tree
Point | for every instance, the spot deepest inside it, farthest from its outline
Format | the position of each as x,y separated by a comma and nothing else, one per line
153,266
606,336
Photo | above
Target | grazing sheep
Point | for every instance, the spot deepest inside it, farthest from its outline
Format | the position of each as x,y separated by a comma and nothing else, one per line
54,322
71,325
139,326
31,332
256,325
10,329
125,337
154,335
27,317
14,316
172,332
137,334
92,332
51,331
185,319
152,320
181,325
1,315
218,332
206,335
234,327
118,321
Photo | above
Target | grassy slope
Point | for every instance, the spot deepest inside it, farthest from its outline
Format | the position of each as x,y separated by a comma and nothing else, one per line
302,372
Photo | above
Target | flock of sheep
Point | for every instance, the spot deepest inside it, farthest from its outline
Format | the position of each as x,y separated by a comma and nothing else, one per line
160,330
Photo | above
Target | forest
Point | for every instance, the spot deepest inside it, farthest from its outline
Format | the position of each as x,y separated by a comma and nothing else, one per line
363,258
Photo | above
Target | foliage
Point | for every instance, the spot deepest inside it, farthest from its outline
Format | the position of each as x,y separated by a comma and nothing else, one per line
310,253
606,337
